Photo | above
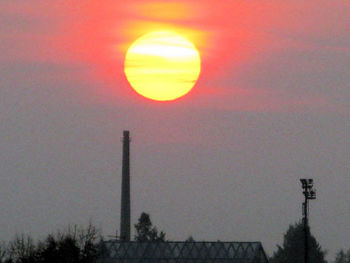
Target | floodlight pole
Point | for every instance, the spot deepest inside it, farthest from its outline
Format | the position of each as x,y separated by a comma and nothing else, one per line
309,194
306,228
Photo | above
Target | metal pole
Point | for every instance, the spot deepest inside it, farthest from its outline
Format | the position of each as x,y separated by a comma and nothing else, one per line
306,232
310,194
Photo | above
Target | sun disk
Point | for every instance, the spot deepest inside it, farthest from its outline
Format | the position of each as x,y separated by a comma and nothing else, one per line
162,65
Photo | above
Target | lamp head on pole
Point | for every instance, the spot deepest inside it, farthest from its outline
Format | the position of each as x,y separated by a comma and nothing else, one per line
307,185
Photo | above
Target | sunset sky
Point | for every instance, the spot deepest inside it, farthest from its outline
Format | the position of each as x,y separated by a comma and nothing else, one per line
271,105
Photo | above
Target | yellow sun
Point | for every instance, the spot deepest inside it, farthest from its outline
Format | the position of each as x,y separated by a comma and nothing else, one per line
162,65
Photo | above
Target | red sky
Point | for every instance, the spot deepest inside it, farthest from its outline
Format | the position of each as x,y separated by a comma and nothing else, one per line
231,36
237,40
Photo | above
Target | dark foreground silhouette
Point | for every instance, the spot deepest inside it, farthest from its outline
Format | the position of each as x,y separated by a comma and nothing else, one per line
86,245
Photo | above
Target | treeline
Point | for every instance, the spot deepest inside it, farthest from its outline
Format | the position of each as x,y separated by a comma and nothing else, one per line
73,245
85,245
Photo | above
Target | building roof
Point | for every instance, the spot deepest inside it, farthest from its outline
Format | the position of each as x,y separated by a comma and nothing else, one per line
184,252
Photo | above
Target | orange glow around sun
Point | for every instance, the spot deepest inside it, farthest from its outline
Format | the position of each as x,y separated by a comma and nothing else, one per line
162,65
213,44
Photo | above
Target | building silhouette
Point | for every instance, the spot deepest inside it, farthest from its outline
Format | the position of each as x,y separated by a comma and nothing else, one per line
183,252
123,250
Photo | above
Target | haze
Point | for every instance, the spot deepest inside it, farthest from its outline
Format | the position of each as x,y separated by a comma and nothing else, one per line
271,106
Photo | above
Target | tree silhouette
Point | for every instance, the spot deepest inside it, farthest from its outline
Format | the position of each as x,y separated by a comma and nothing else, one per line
293,249
190,239
145,231
3,252
342,257
22,249
75,245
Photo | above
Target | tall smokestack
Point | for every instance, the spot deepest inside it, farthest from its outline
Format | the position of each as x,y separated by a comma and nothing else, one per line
125,200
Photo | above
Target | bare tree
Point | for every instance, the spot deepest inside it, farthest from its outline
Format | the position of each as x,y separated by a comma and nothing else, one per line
88,238
21,249
3,252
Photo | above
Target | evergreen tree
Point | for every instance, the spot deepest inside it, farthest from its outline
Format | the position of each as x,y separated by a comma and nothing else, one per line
190,239
342,257
293,249
146,232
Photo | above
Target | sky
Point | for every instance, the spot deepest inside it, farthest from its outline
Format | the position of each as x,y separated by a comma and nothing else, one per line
271,106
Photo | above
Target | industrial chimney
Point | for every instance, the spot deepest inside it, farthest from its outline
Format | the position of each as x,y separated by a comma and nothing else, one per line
125,198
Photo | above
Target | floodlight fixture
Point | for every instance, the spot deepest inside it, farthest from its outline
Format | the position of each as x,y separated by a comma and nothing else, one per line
303,183
312,195
310,183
